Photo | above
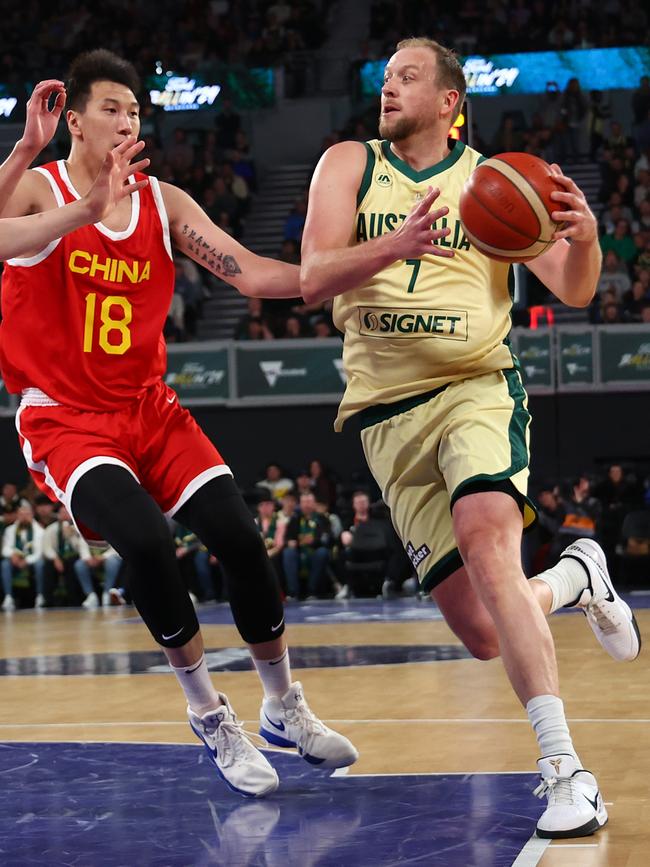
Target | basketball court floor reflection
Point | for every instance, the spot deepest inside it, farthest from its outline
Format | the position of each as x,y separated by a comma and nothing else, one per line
99,768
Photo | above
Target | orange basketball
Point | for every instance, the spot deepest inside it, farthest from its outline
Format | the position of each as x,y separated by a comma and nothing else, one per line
506,206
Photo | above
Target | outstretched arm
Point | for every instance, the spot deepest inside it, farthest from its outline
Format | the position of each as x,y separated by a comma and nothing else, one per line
571,270
40,126
33,232
330,265
195,235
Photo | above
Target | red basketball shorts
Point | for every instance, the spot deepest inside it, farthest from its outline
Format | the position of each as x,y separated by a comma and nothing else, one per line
154,438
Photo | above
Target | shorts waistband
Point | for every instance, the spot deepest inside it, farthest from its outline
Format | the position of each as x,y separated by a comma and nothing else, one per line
36,397
380,412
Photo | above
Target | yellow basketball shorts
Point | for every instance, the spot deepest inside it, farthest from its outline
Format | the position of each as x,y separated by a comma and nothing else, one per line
426,452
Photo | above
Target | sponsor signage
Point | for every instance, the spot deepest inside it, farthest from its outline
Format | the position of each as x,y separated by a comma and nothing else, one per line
624,356
176,91
13,99
534,350
396,322
575,354
181,93
276,372
531,72
199,375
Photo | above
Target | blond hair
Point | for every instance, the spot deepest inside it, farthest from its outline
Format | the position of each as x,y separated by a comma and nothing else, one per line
450,72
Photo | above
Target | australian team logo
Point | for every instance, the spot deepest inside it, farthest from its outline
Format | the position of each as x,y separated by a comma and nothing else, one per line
383,179
395,322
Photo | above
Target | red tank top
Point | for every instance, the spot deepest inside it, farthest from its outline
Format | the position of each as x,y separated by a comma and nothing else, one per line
83,319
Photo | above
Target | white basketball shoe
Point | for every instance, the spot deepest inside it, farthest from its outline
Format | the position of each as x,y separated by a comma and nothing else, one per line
289,722
238,762
610,618
575,805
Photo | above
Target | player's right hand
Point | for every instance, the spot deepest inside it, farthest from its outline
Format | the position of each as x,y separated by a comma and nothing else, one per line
415,237
111,184
42,121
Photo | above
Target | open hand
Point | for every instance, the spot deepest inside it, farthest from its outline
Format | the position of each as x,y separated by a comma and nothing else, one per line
42,120
111,185
415,237
579,222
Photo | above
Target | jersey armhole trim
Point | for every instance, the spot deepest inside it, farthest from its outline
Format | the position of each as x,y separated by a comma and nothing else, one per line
366,180
162,213
480,160
45,252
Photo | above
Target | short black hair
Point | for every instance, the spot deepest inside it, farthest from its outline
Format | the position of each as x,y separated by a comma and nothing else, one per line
98,65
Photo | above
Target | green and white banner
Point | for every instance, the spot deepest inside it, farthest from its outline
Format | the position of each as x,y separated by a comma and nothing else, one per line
300,371
576,358
624,356
199,372
535,352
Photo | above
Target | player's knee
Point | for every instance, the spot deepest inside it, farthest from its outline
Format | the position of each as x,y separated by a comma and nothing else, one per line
242,548
483,648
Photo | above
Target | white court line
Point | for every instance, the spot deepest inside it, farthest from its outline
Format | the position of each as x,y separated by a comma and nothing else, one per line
532,852
427,721
575,845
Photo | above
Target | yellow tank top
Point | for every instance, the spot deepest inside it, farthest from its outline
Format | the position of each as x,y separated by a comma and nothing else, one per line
419,323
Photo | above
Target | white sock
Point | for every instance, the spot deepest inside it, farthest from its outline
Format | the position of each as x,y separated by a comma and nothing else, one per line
275,674
196,684
567,579
546,714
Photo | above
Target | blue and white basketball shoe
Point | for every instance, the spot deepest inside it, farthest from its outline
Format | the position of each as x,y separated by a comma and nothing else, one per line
289,722
238,762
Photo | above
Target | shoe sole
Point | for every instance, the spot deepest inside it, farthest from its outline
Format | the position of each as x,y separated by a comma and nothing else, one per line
278,741
610,584
233,788
585,830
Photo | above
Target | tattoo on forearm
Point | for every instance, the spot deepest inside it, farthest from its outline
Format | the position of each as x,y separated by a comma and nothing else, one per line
220,264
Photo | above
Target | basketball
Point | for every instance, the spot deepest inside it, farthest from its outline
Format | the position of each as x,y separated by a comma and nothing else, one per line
506,206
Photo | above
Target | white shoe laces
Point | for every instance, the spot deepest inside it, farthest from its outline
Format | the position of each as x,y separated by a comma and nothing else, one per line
605,623
302,716
560,791
232,740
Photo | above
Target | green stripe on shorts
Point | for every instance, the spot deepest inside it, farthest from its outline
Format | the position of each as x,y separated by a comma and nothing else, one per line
517,436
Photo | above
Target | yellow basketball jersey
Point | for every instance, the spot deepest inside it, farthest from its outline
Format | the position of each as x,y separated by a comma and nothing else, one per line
419,323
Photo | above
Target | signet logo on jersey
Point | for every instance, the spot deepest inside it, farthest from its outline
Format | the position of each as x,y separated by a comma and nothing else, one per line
416,555
395,322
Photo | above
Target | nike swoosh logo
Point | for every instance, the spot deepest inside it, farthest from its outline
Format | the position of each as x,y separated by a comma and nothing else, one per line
282,658
168,637
278,726
275,628
192,670
593,803
171,399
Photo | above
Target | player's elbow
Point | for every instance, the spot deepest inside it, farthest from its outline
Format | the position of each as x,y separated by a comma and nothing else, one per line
311,283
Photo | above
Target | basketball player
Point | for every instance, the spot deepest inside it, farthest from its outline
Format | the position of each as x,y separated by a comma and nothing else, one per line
110,186
439,397
81,341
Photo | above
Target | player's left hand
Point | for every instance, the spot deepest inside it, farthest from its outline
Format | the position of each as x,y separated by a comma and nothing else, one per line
578,221
42,120
111,185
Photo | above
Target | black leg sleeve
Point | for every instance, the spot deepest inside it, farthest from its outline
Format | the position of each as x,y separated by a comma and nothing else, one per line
218,515
109,501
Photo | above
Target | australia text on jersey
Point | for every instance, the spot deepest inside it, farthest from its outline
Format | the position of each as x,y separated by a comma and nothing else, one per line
373,224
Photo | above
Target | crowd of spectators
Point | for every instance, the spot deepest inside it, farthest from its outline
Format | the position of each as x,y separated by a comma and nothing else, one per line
498,26
326,539
613,508
46,562
195,36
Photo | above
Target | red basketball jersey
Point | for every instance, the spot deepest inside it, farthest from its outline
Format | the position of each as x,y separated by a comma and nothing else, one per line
83,319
